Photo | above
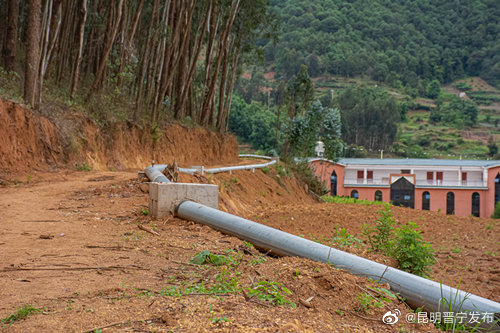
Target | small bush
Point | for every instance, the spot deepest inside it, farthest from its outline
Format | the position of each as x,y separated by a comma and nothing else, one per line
83,167
380,235
405,244
496,212
265,170
412,252
303,172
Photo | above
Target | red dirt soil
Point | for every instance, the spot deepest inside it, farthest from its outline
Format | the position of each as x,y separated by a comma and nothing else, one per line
70,242
76,252
31,142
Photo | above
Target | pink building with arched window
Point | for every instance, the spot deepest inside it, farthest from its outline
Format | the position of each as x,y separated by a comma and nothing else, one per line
460,187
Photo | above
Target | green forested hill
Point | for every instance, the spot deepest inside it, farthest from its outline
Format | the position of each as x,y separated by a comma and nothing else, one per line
400,42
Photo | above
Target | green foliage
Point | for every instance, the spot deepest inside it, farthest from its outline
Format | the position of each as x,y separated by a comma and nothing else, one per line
280,169
402,43
496,212
205,257
226,282
380,235
370,117
303,172
349,200
405,244
304,131
433,89
462,86
412,252
254,123
24,312
270,291
144,212
83,167
368,302
458,112
218,320
342,239
492,147
265,170
300,93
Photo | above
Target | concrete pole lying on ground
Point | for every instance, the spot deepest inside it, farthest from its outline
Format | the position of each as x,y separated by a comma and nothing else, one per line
160,167
155,175
418,291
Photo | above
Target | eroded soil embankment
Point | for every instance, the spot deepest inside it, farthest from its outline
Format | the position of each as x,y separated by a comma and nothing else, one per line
29,141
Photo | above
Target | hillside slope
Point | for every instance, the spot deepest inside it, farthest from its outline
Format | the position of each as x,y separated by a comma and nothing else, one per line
30,142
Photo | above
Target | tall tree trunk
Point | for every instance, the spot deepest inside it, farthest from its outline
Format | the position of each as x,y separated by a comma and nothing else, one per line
144,65
51,25
229,92
209,105
107,47
32,51
81,35
194,59
10,47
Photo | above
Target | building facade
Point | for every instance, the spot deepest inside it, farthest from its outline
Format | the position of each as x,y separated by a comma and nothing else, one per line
460,187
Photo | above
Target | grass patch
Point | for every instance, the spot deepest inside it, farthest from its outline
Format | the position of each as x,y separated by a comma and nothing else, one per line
24,312
349,200
83,167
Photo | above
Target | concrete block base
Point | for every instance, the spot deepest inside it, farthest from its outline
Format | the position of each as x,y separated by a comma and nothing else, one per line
163,197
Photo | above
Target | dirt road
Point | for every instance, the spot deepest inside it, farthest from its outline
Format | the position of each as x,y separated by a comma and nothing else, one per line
70,246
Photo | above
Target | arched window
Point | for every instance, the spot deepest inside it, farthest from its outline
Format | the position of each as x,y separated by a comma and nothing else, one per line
378,195
426,201
450,203
497,188
476,202
333,183
354,194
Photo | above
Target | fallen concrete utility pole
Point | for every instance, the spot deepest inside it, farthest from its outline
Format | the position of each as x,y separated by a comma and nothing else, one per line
160,167
262,157
418,291
155,174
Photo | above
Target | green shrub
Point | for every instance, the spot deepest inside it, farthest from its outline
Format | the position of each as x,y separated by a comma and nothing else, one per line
412,252
303,172
405,244
496,212
380,236
83,167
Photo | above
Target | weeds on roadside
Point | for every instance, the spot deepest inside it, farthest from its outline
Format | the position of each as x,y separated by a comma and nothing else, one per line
367,302
227,281
341,239
83,167
273,292
23,312
454,305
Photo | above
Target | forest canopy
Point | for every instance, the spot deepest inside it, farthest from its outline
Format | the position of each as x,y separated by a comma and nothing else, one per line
404,42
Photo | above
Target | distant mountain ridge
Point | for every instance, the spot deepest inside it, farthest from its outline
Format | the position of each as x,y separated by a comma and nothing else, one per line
403,43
